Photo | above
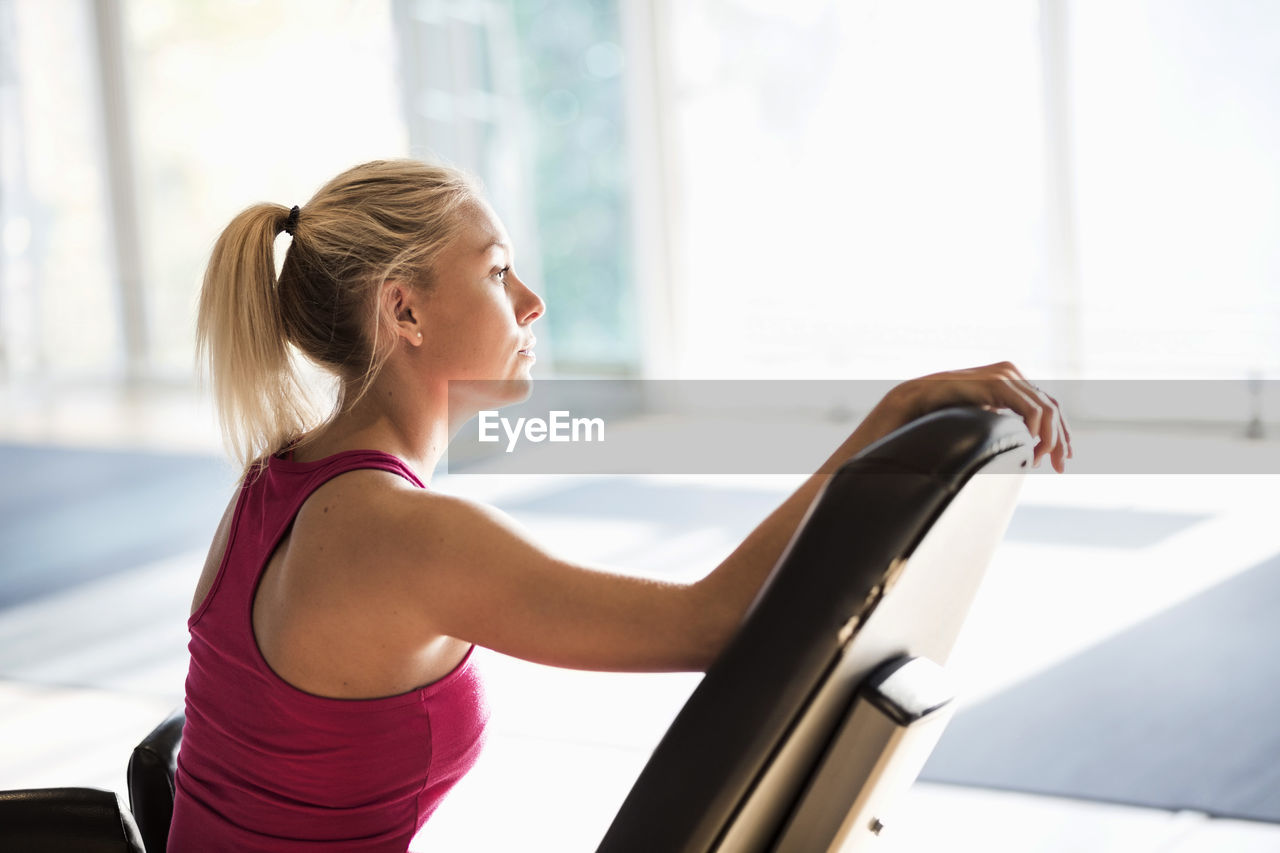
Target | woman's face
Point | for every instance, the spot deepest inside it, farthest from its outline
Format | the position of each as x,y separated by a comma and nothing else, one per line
476,317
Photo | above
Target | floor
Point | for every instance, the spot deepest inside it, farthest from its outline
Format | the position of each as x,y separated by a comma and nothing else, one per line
86,672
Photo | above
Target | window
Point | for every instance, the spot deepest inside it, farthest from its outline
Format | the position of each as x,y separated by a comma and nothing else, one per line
1176,133
59,295
236,103
529,96
883,189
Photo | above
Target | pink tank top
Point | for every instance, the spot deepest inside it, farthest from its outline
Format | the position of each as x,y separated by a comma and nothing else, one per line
265,766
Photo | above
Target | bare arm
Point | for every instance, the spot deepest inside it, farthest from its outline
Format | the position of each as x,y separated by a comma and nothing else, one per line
480,578
729,590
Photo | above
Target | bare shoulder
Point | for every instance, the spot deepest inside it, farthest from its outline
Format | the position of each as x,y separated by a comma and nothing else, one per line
380,522
360,513
360,496
438,525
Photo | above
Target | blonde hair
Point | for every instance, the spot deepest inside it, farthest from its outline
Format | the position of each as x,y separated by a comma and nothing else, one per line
378,221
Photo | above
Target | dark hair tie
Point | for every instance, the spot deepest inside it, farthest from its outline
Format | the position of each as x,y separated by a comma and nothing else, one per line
292,222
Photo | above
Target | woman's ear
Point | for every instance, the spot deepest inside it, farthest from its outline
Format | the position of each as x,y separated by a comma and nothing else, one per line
400,306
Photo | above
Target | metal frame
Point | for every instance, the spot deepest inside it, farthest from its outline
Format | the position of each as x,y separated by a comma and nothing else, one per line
121,181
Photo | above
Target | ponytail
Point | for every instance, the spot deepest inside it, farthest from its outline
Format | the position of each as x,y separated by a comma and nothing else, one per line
380,220
262,402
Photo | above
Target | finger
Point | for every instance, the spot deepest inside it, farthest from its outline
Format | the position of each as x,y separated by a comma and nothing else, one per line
1052,436
1055,447
1028,406
1062,428
1048,431
1066,428
1060,448
1043,425
1068,451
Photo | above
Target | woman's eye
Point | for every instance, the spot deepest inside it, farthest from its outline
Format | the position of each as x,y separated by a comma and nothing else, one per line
502,273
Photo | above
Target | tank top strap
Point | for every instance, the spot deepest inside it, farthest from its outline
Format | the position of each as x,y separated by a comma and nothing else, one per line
269,500
323,470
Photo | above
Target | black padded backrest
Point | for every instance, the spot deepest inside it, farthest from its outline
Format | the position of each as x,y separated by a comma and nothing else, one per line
57,820
150,778
845,596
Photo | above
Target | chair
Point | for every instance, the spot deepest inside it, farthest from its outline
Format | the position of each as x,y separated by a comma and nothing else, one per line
825,705
827,702
94,821
57,820
150,779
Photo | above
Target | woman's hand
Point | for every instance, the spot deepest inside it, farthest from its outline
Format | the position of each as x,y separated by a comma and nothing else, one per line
995,386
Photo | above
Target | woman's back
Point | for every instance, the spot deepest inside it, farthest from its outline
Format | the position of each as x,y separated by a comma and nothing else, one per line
266,765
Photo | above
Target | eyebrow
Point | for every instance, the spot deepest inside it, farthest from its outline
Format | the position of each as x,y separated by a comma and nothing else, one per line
499,244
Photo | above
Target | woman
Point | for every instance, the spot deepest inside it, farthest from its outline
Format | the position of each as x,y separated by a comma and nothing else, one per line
337,585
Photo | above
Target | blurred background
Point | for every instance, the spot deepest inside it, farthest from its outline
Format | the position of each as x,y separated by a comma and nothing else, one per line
701,189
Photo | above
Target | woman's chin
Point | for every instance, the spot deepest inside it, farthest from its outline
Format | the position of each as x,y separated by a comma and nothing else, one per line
478,394
516,390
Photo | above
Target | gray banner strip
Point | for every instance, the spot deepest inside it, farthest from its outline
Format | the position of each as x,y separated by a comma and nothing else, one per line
605,426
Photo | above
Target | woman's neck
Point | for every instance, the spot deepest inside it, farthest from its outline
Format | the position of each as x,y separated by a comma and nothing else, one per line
413,428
